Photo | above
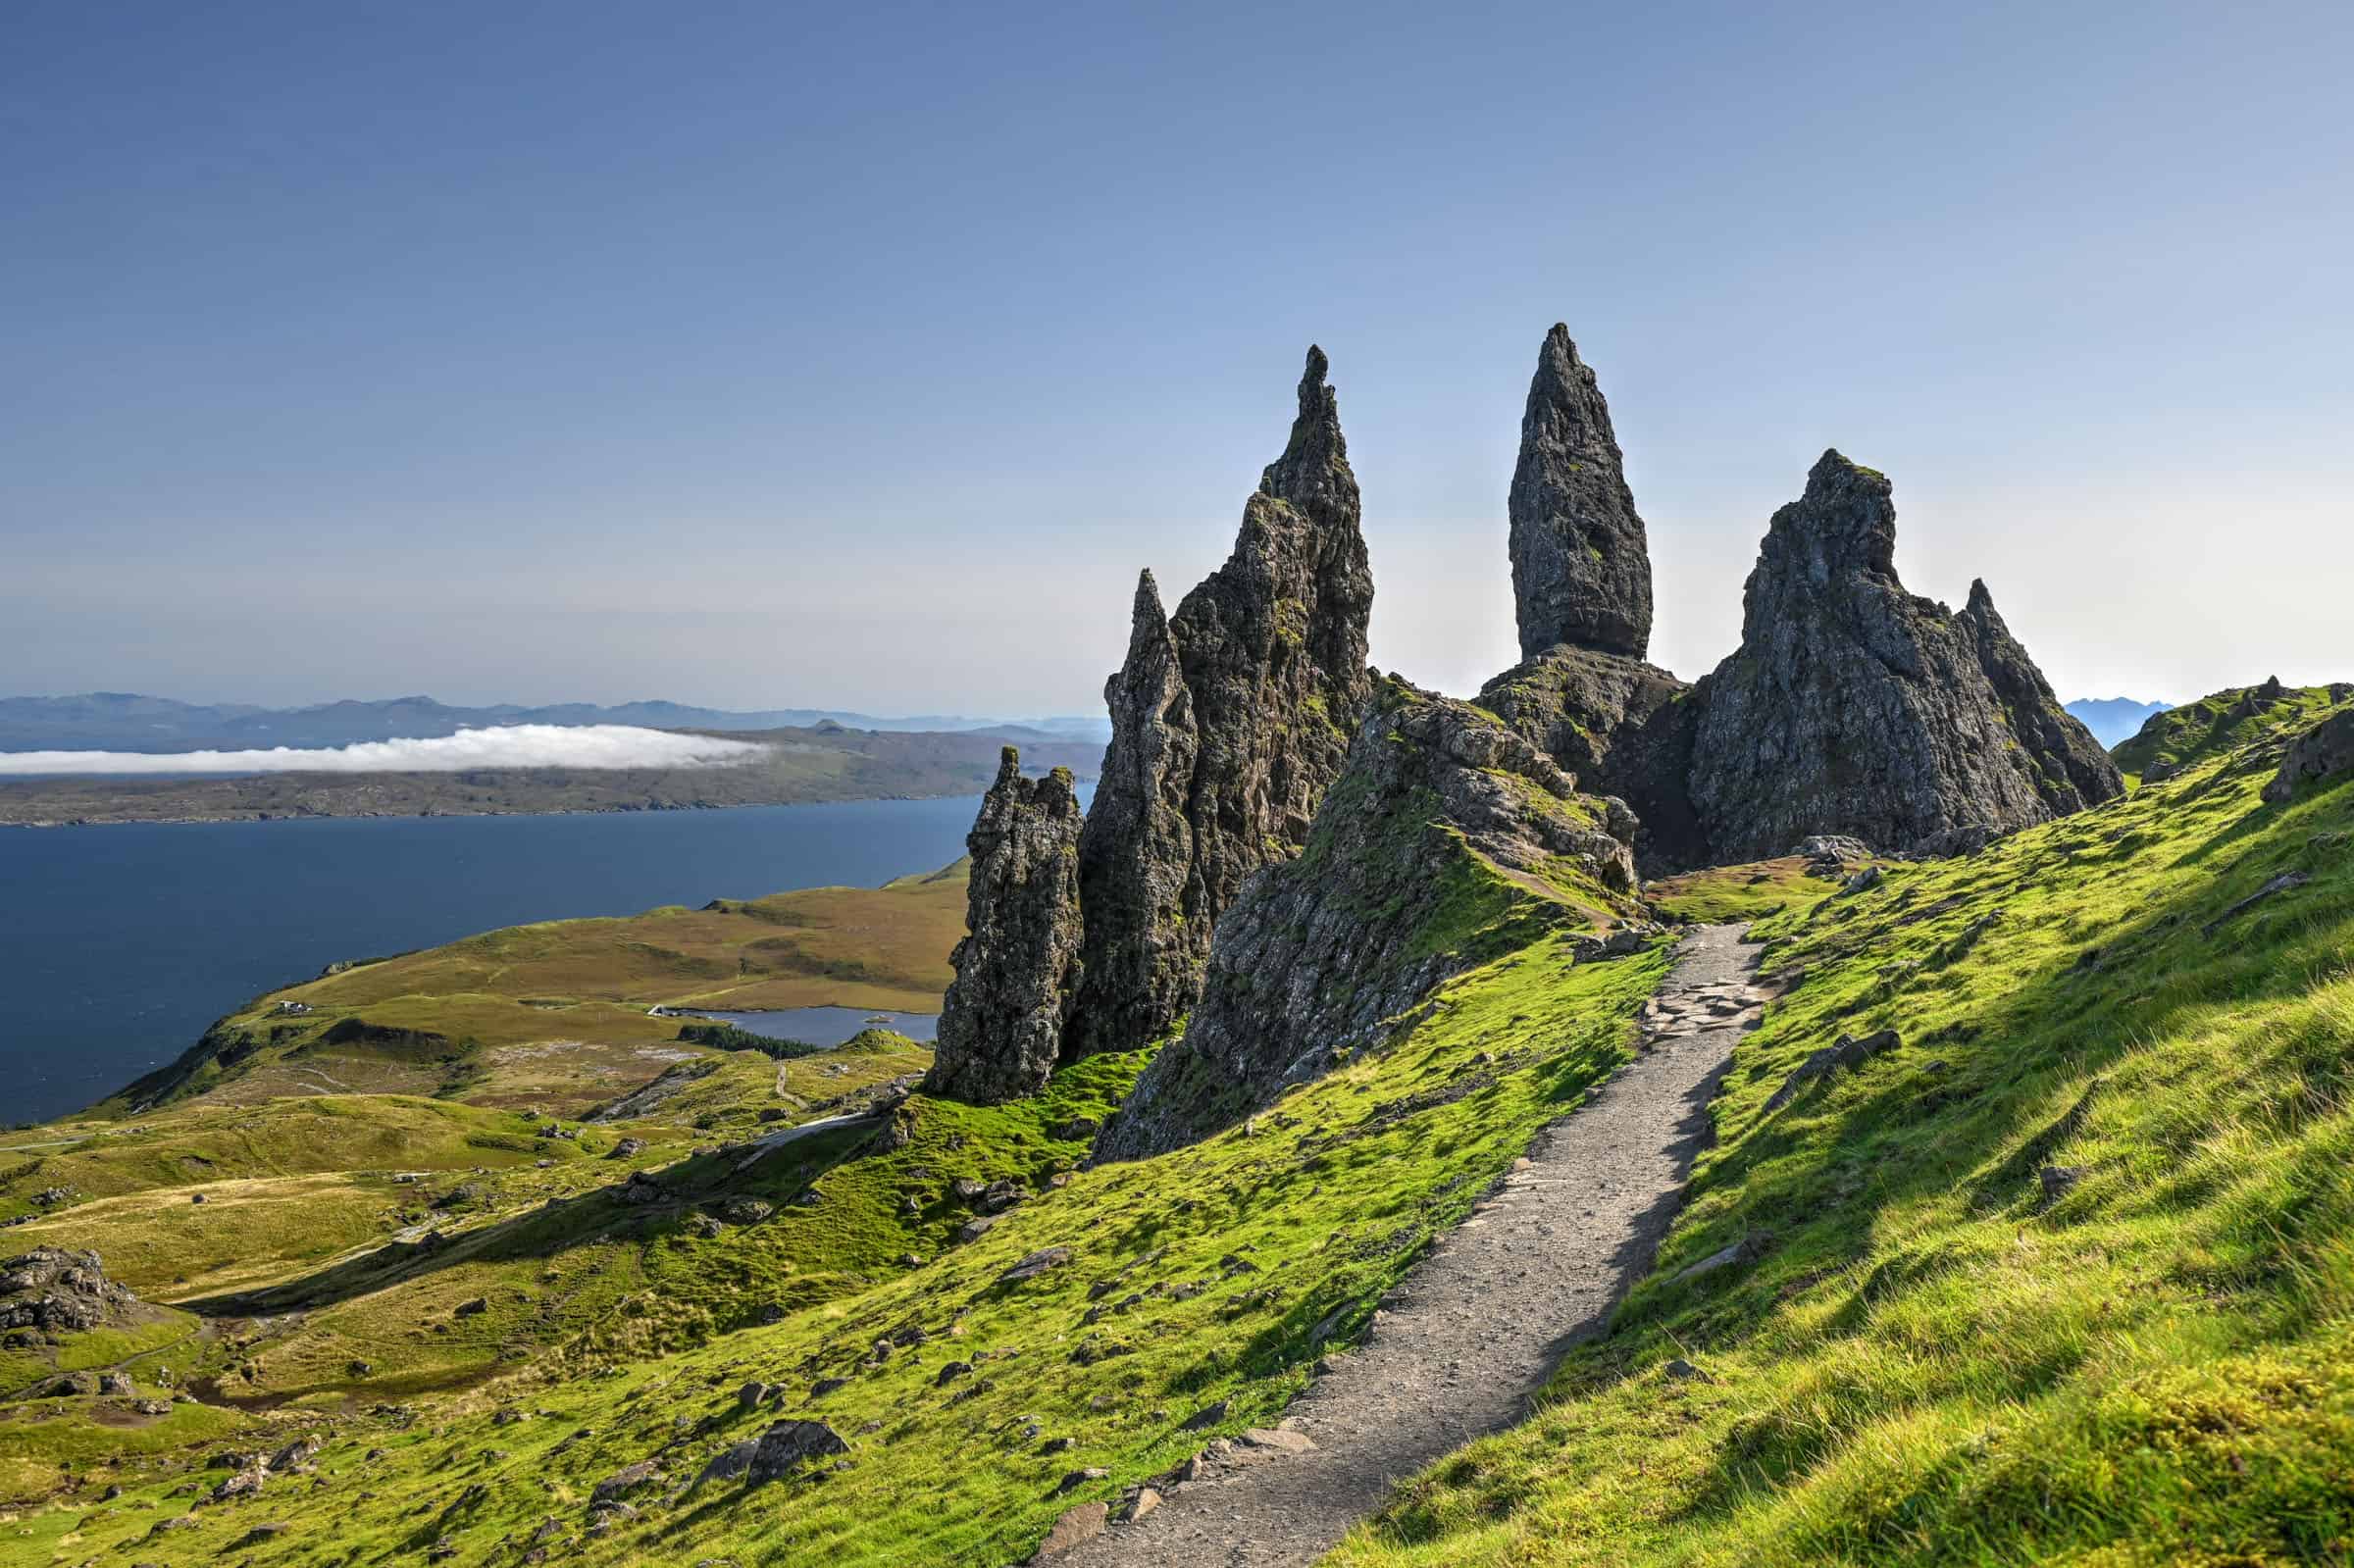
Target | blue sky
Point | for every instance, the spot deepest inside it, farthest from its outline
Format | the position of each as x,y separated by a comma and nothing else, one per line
769,354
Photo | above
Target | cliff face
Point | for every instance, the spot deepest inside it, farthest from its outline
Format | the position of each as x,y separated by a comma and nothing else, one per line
2068,768
1002,1022
1581,567
1228,725
1446,836
1853,707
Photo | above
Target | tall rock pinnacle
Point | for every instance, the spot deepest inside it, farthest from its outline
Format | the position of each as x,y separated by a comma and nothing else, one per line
1581,567
1001,1023
1854,707
2068,766
1269,682
1137,846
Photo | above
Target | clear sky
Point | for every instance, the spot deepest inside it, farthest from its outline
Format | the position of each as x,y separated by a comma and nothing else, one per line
761,354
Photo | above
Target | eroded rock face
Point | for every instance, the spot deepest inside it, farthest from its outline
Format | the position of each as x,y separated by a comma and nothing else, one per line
1852,706
1140,959
1624,727
1002,1022
2067,766
1444,825
50,1291
2327,749
1270,679
1581,567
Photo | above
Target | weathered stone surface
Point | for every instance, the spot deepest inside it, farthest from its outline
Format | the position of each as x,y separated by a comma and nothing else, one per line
1624,727
1852,706
1216,765
2327,749
1581,568
51,1291
2067,766
1001,1023
791,1445
1444,824
1140,963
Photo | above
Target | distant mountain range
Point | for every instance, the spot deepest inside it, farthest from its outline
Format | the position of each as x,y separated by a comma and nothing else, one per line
116,721
2115,719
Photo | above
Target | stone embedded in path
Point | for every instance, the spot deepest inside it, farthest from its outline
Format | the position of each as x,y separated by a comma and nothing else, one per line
1076,1527
2327,749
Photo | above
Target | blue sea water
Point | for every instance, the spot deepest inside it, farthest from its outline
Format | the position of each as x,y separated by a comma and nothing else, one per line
118,944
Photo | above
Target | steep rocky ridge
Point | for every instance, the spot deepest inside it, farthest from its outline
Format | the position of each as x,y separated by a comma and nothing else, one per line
1855,707
1446,839
2068,766
1228,725
1001,1023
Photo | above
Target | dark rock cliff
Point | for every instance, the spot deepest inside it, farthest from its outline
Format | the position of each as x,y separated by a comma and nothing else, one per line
1270,678
2068,768
1002,1022
1581,567
1447,837
1854,707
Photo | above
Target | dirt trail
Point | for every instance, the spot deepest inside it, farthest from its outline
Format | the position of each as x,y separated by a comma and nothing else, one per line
1476,1329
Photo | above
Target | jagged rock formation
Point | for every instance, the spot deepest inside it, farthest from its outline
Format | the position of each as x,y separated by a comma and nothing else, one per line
1242,707
1581,568
1854,707
1447,836
1624,727
2068,768
1002,1022
1142,959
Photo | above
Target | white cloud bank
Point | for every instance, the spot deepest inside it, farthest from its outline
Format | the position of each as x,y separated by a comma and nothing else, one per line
523,745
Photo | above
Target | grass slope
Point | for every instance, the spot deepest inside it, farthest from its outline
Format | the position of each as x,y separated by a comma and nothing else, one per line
554,1014
1938,1356
611,1333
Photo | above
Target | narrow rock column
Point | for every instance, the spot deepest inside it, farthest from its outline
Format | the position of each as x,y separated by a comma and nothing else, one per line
1581,565
2065,764
1002,1022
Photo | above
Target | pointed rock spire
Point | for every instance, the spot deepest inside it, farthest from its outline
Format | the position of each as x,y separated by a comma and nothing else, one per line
1581,566
1001,1023
1137,846
1853,707
1229,721
2065,764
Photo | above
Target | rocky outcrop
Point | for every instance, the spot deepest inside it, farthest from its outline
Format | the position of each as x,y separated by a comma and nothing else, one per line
1142,960
1228,726
2324,749
1624,727
51,1291
2068,768
1017,972
1581,568
1447,837
1854,707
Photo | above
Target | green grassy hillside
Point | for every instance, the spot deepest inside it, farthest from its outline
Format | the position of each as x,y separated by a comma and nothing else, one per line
554,1015
2066,1277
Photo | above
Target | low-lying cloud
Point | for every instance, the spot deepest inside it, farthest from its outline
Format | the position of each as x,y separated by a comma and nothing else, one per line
523,745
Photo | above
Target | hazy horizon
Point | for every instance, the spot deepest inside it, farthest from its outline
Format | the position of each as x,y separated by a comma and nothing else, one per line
752,360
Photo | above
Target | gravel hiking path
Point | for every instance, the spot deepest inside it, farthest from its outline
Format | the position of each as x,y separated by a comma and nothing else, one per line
1461,1348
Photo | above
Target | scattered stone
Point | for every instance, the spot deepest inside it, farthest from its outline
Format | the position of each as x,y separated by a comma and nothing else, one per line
623,1481
2059,1180
2282,883
1277,1440
474,1309
51,1291
1075,1527
1210,1415
792,1445
1146,1499
1080,1477
745,1210
1748,1249
1684,1371
1847,1051
1036,1264
730,1462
